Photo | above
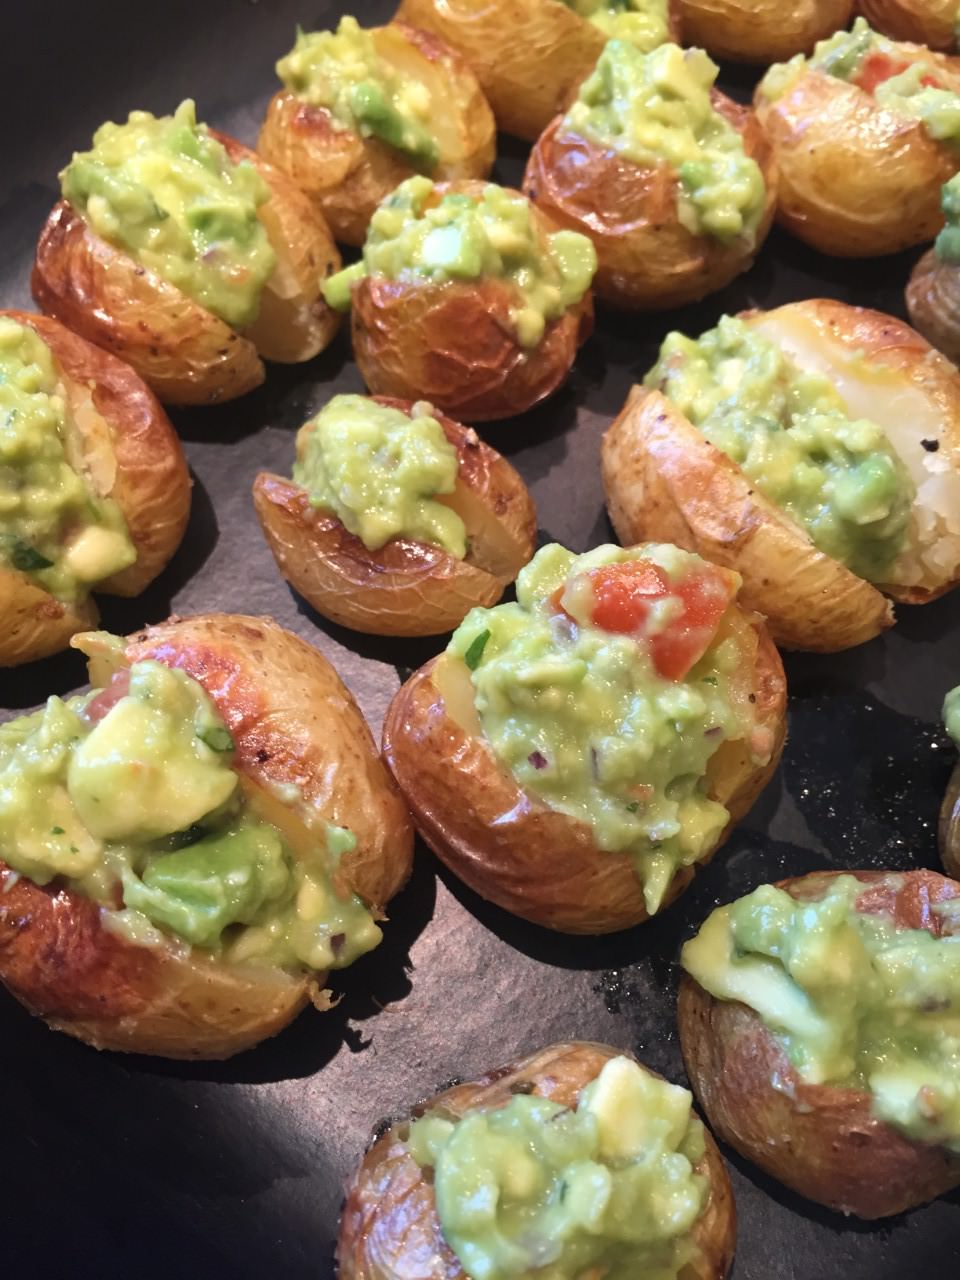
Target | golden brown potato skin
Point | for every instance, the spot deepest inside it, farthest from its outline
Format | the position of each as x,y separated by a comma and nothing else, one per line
761,31
933,303
512,848
131,454
527,54
929,22
856,180
406,588
949,830
822,1141
389,1225
292,721
665,482
348,175
646,260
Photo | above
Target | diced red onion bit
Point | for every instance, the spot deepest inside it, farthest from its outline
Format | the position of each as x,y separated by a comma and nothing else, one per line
537,759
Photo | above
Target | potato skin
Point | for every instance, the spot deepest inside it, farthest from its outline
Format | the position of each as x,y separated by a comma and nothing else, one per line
761,31
138,463
929,22
933,303
856,180
949,829
389,1225
527,54
507,844
646,259
406,588
820,1140
293,721
348,175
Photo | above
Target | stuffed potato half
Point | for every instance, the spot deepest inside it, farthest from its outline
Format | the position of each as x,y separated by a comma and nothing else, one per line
105,471
429,114
871,1148
390,1223
761,31
529,55
194,301
186,944
664,478
549,814
454,549
930,22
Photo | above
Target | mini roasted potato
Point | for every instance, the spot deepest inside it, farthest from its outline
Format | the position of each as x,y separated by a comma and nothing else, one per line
665,480
266,707
656,244
538,855
408,586
529,56
117,447
761,31
390,1224
933,290
187,352
860,170
929,22
346,165
825,1140
949,831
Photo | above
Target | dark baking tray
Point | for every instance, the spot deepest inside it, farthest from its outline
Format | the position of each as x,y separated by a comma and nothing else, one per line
114,1165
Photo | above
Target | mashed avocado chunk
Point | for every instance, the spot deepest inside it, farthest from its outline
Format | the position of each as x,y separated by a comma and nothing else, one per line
130,797
606,1188
417,234
165,191
614,724
951,714
643,22
854,999
52,527
655,109
948,241
343,72
790,433
379,469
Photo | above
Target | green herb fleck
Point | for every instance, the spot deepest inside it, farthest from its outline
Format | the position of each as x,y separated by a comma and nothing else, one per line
475,651
56,831
216,738
710,680
25,558
633,806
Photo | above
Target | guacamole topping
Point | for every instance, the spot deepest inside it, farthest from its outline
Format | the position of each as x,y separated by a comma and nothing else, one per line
951,714
644,23
129,796
378,470
343,72
164,189
913,89
948,241
854,999
655,109
419,234
52,527
607,688
605,1188
790,433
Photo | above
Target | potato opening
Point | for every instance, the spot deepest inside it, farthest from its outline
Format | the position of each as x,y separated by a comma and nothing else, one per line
489,545
406,59
288,328
451,679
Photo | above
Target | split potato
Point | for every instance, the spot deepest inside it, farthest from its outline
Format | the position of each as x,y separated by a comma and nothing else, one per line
929,22
346,174
122,444
406,588
528,56
297,732
389,1225
821,1140
646,257
665,481
761,31
185,353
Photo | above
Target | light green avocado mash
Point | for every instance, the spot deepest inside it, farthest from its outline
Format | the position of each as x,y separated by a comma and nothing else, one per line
142,811
607,1188
655,109
52,528
343,72
378,470
582,718
790,434
165,191
417,235
854,1000
948,241
643,22
894,81
951,714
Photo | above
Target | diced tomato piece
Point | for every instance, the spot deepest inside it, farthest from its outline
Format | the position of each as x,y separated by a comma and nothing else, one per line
107,698
880,66
625,593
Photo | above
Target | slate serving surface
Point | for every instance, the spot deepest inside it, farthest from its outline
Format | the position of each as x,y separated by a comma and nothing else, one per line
115,1166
